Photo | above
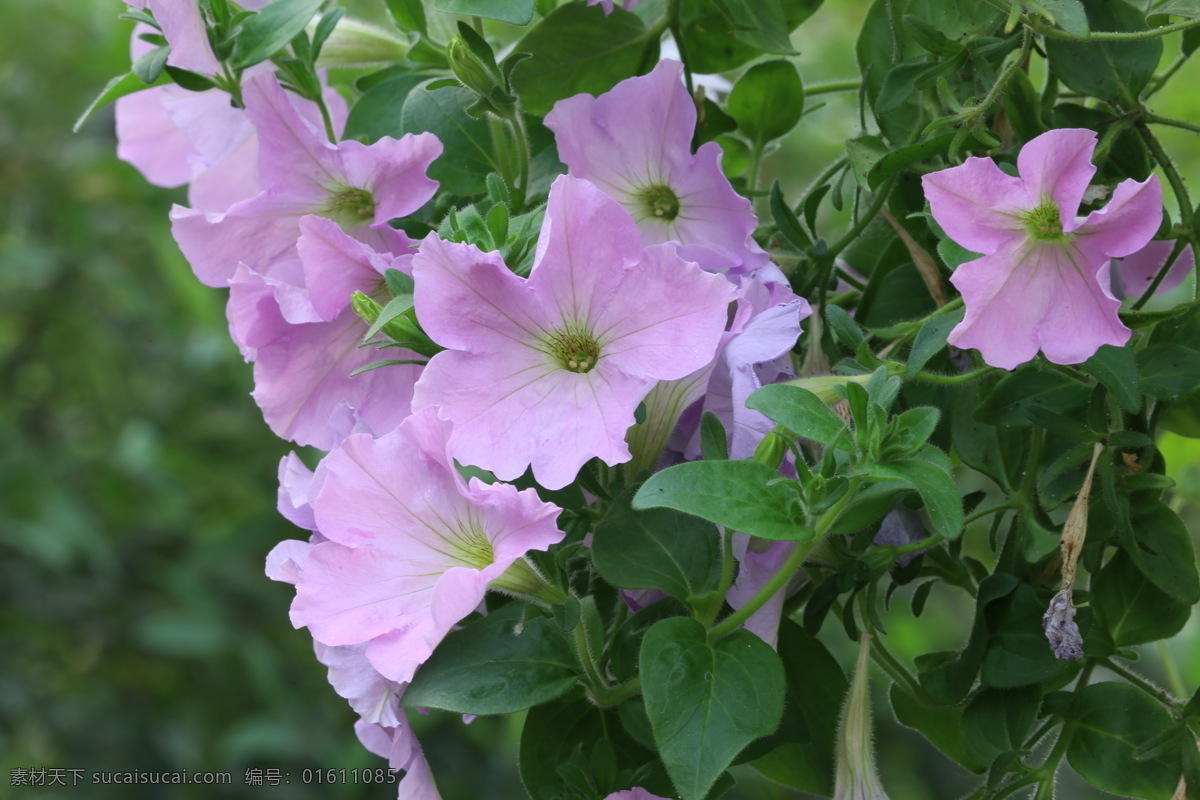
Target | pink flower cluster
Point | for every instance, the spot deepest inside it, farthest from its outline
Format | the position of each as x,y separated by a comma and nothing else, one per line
646,287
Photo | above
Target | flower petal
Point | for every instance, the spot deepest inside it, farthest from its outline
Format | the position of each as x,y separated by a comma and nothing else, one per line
1058,166
978,205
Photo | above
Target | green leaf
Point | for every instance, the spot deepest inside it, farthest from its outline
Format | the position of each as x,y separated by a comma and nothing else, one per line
1113,71
870,505
1023,105
486,668
554,731
395,307
744,496
115,88
844,327
816,687
940,493
940,724
864,153
767,101
517,12
1164,553
930,340
266,33
1133,609
899,84
149,66
724,35
1018,653
706,702
409,14
947,677
800,411
1069,15
467,158
576,49
1169,371
1111,721
954,255
996,721
787,222
714,444
1180,8
1029,385
1117,369
657,548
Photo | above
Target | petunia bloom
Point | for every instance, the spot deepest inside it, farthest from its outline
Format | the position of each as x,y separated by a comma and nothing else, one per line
410,547
1133,274
1043,280
301,173
635,143
548,371
297,326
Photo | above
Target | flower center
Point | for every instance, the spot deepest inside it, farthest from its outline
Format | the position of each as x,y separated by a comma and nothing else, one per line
575,350
351,206
471,547
660,202
1043,223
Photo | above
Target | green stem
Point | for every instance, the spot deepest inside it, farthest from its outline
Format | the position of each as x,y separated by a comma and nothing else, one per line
892,666
521,138
756,154
1161,275
1160,81
1155,119
1164,697
821,180
1173,676
606,698
933,377
985,512
726,581
1168,167
865,219
831,87
786,571
1116,36
591,672
674,22
1035,459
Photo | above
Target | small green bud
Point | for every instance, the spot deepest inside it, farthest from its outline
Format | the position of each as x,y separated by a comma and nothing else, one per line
823,385
770,450
855,776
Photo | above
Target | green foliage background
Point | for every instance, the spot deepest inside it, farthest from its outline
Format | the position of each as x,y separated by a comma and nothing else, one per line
137,480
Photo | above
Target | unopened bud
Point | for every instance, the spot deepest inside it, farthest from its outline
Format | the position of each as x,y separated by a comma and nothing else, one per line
770,450
354,43
855,776
823,385
470,69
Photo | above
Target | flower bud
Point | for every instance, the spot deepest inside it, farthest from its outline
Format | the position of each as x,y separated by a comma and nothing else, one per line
471,70
855,777
823,385
770,450
354,43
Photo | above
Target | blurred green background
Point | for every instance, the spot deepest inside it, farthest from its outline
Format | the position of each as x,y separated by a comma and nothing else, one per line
137,479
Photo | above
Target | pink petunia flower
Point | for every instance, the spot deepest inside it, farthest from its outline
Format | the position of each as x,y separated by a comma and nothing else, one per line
635,143
1043,281
297,326
636,793
355,185
409,548
1133,274
548,371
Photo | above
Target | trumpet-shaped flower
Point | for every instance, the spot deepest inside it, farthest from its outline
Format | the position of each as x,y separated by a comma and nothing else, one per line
635,143
301,173
409,546
297,326
548,371
1043,280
